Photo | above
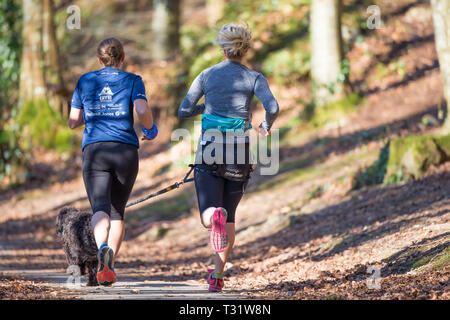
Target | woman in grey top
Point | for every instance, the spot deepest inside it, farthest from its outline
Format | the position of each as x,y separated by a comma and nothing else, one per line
228,88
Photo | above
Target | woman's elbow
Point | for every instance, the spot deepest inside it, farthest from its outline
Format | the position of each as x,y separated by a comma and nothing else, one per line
182,114
141,111
274,110
141,107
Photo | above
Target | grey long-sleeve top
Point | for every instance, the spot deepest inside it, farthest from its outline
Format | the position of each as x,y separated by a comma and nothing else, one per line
228,88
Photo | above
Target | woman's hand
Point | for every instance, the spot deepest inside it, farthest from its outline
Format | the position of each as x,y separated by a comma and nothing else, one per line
263,131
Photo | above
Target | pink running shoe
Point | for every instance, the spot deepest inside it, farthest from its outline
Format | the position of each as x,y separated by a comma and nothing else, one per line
215,285
218,236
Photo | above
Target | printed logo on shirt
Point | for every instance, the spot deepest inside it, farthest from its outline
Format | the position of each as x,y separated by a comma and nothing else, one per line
106,94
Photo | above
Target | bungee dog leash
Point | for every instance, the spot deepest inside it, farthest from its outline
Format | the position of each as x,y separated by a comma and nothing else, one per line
174,186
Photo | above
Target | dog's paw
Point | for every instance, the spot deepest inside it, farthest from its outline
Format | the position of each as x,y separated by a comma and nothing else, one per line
92,284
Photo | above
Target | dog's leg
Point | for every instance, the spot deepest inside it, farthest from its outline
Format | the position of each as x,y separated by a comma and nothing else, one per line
83,266
92,273
71,260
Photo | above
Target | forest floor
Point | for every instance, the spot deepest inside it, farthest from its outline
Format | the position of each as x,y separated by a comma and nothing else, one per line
301,234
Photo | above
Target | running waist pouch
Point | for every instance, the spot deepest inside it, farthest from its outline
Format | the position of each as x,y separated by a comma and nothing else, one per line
233,172
237,166
222,124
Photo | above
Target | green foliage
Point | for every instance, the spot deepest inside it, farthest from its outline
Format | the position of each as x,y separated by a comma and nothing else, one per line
395,67
203,61
404,159
319,116
282,52
168,208
410,158
288,65
13,159
192,41
10,50
381,70
434,255
443,143
375,173
44,127
292,126
345,71
316,192
441,260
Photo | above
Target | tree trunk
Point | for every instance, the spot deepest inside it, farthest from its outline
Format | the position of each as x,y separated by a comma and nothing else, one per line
441,19
214,10
32,81
52,71
165,27
326,50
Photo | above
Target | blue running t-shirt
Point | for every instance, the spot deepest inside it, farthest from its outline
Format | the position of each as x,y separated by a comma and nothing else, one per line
106,97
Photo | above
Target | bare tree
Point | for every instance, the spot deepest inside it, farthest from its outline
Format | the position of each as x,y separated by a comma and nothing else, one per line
326,50
441,19
41,74
32,81
165,28
52,70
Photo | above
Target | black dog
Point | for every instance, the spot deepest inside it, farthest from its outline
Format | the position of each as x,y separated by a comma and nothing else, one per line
73,228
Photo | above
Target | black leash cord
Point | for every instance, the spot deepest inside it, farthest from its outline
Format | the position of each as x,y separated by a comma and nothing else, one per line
167,189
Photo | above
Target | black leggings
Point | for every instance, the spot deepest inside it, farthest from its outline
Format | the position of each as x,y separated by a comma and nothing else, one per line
213,191
109,172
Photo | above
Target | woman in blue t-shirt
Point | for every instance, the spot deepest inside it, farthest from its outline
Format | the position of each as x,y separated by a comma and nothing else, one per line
103,101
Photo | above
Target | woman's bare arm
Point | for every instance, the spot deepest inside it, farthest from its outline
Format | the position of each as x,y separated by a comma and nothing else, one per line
144,113
75,118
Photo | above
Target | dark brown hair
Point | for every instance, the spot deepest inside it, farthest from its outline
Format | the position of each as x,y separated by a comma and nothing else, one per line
110,52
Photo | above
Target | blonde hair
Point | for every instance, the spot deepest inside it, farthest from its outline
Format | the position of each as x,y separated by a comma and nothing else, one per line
110,52
235,39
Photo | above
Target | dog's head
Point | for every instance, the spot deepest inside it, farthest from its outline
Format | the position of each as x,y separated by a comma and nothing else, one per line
61,218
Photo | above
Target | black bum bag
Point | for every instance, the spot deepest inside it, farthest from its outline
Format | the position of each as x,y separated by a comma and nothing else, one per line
230,171
233,172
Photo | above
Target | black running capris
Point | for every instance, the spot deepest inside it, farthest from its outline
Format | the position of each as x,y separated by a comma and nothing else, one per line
109,172
214,191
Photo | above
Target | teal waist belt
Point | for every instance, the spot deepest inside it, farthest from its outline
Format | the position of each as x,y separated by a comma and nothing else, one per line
222,124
